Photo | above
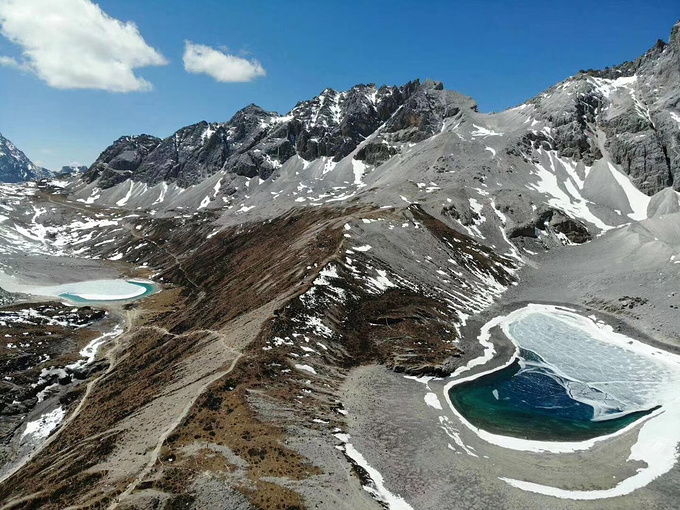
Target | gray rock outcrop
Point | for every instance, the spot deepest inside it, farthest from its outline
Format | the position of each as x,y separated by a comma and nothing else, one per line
631,111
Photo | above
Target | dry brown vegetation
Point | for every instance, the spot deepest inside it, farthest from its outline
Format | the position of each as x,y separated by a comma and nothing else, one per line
257,271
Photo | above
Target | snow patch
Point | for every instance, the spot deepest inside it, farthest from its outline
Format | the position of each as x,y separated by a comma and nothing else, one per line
432,400
359,169
377,489
637,200
43,426
306,368
484,132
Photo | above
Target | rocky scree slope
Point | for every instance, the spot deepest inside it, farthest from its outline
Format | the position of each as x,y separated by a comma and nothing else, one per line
581,158
300,318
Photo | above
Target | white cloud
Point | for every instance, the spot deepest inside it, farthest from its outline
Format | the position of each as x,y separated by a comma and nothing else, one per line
10,62
199,58
73,44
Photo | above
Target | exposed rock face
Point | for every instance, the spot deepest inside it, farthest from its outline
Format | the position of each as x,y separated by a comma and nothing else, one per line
189,155
5,297
426,110
465,215
421,116
255,142
15,166
71,170
551,220
575,230
118,162
631,111
334,123
374,153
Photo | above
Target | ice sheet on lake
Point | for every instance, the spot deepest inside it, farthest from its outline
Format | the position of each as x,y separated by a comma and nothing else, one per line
633,374
92,290
604,375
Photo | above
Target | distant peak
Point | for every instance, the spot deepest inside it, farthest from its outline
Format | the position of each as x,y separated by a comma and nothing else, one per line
252,109
674,40
433,84
250,113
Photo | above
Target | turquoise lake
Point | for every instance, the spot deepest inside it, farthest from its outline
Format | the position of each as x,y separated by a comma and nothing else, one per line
564,385
531,403
145,290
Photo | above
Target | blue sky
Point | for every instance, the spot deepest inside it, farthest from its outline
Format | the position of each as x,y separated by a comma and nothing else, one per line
500,53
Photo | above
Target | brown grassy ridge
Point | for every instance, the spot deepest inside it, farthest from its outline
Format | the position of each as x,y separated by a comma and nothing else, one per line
236,271
217,280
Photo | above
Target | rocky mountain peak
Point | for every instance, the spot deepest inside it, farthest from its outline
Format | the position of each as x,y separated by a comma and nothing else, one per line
432,84
426,110
68,170
256,141
623,111
15,166
251,113
674,40
121,159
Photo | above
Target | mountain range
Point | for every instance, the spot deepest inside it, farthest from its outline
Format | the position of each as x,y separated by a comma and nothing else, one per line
317,281
639,132
627,115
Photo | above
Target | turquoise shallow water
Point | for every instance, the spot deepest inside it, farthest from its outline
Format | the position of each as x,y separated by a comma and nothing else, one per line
148,289
531,403
565,385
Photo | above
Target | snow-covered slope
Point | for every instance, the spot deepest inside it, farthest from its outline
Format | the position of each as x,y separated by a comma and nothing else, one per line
585,156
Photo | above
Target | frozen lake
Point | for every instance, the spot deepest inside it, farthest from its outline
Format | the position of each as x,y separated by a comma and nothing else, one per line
90,291
528,399
103,290
565,384
572,383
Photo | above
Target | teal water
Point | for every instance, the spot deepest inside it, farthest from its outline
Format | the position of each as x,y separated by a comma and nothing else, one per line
529,400
148,289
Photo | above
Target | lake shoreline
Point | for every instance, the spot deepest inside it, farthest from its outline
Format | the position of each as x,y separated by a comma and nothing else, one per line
633,300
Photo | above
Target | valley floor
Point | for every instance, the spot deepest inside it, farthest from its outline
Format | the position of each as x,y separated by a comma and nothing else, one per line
278,367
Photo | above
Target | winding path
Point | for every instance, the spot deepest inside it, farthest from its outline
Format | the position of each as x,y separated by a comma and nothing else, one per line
159,445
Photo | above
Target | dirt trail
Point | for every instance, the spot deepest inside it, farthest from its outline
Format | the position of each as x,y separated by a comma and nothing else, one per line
178,262
164,373
156,452
133,232
70,205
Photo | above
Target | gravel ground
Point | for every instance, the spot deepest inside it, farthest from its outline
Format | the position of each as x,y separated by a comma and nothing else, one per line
402,437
